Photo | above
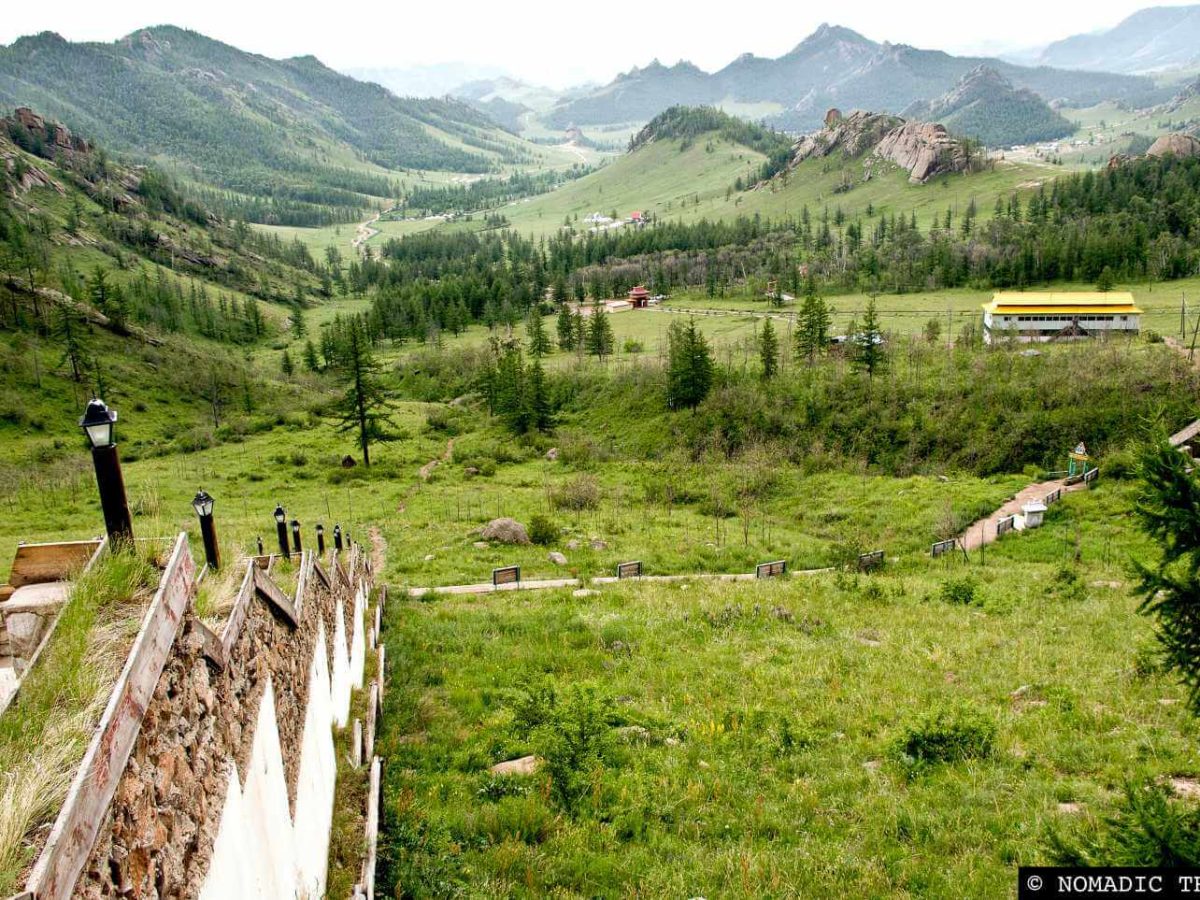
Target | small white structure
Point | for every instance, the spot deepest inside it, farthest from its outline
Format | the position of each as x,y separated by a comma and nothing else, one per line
1035,511
1059,315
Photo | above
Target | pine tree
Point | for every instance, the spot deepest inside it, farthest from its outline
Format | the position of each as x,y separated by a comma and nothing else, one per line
537,398
1169,509
768,351
812,330
286,365
566,329
535,333
311,363
868,343
364,407
299,326
599,334
70,329
689,365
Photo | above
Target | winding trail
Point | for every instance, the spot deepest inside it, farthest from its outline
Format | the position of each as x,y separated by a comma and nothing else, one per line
984,531
366,230
427,470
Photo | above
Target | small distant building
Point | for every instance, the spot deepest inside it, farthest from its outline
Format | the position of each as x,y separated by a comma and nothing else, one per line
1077,461
636,217
1059,315
639,297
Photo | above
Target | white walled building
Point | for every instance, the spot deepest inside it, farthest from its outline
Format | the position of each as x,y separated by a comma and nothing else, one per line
1059,315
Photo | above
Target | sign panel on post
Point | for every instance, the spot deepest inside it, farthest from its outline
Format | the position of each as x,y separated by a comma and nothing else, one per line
869,561
771,569
506,575
629,570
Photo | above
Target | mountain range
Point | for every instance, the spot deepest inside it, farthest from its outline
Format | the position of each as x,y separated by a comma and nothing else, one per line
1151,40
833,67
292,129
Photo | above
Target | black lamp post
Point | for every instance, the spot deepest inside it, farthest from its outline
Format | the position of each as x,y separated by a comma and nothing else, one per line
320,539
98,423
281,531
202,503
337,537
296,535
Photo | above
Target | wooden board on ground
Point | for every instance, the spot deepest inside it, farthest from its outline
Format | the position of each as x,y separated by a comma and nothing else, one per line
940,548
1005,525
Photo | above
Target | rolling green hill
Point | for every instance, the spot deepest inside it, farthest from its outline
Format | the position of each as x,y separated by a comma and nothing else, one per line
286,141
984,105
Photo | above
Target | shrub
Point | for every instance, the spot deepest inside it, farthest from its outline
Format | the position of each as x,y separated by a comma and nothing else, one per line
960,591
542,530
1149,828
577,494
572,733
947,735
632,346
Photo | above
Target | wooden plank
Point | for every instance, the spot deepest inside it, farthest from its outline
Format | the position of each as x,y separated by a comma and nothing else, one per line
212,646
321,573
241,605
506,575
101,549
302,583
941,548
373,826
372,719
74,833
1186,435
379,676
356,744
275,597
38,563
1005,525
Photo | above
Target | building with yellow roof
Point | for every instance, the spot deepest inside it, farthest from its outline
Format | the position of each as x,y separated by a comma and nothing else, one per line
1059,315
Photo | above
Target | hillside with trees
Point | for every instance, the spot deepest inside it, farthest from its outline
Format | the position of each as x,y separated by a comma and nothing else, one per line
282,141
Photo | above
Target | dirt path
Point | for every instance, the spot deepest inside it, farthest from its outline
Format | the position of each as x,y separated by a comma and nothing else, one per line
1184,350
378,548
364,231
427,469
984,531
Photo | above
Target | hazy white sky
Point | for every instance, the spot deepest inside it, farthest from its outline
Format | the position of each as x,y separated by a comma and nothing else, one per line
559,42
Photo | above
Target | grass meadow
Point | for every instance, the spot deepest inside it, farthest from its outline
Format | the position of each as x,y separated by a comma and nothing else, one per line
753,739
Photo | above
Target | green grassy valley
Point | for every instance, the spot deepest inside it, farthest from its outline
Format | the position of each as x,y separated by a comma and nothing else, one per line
722,347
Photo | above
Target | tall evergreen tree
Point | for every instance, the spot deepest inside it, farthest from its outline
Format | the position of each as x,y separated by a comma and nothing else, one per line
1169,509
689,365
566,329
768,350
869,355
812,328
537,398
535,333
599,334
364,406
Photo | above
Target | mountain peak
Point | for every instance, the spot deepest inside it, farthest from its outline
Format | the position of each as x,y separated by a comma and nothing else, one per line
827,34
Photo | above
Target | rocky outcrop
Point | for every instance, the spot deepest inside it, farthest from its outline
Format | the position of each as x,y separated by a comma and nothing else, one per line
54,134
923,149
1181,145
853,135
